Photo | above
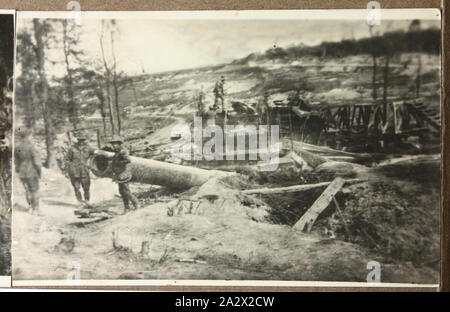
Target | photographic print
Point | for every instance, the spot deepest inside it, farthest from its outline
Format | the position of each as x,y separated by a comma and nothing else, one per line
6,104
227,148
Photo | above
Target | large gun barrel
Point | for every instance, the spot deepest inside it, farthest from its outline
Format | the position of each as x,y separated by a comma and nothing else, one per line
155,172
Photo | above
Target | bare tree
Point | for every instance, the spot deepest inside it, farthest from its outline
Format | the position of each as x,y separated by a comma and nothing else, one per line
414,27
374,68
41,29
115,76
70,39
101,97
107,79
388,53
6,90
387,60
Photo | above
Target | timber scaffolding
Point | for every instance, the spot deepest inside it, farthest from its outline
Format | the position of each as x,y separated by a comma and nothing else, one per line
348,125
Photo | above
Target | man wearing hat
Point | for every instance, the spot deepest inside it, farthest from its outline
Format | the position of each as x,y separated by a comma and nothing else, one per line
27,164
120,166
77,160
219,93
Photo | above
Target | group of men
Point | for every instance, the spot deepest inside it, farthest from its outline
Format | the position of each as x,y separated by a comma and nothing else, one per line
28,164
28,168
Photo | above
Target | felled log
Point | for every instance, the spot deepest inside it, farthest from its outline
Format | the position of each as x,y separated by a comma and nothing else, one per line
341,158
186,260
299,162
155,172
295,188
307,220
242,167
322,149
136,137
245,154
343,169
330,152
311,159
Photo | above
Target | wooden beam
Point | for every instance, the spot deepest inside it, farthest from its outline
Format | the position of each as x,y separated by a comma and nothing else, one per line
326,151
295,188
287,189
341,158
307,220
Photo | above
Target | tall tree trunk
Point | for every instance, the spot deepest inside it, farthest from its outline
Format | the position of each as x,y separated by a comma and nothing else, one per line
107,82
115,86
50,137
116,101
374,78
5,162
39,34
73,109
101,98
111,109
385,86
419,75
374,74
5,183
31,115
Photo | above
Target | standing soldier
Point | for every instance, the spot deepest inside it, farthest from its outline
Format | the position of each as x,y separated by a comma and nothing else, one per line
200,105
120,166
219,93
28,168
77,159
262,108
266,107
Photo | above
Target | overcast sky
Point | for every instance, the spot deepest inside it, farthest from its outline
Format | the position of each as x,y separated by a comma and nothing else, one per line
168,44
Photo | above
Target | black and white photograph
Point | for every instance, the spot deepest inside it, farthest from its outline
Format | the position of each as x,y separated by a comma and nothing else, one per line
226,148
6,115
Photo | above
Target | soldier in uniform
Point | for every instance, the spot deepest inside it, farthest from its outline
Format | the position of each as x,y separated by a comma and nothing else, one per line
122,173
262,109
200,104
219,93
28,168
77,159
